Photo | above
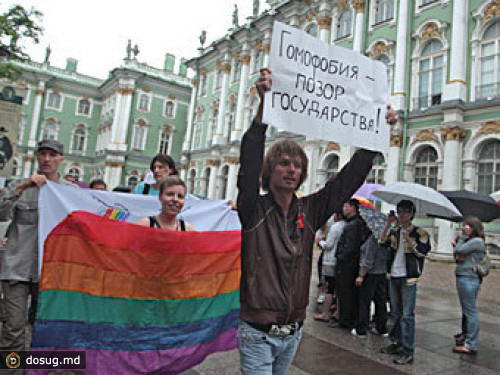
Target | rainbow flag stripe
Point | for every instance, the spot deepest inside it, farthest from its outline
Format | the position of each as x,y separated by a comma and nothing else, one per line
137,300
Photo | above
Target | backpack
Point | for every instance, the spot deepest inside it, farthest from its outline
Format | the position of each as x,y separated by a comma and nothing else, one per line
483,267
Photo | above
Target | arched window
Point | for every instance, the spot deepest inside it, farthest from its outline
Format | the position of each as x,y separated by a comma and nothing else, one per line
223,182
164,140
191,181
75,172
488,173
431,74
426,168
490,62
384,10
197,131
344,26
78,144
84,107
237,70
384,59
206,183
203,85
212,126
54,100
169,108
312,29
218,78
144,103
49,130
377,172
139,135
331,165
231,120
258,61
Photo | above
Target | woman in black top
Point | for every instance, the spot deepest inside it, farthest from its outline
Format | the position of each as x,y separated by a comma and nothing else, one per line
172,196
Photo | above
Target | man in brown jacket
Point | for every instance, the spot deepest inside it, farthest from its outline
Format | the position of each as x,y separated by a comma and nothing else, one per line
278,231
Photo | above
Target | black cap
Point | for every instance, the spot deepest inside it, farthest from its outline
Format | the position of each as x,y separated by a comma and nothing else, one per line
50,144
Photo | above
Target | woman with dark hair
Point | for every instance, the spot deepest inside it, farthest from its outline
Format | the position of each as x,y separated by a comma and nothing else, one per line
172,194
469,251
162,166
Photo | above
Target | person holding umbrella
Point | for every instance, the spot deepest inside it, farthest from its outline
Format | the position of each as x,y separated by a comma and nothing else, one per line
469,251
408,246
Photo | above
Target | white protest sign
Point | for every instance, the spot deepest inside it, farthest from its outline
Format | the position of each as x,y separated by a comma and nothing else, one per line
326,92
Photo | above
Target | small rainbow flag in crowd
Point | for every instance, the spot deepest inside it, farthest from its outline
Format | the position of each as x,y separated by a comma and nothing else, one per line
116,214
136,299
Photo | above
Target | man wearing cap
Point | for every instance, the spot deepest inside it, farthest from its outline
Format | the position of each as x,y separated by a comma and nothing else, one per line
19,268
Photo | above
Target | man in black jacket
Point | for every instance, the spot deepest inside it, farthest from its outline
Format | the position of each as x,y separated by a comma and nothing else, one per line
347,267
278,232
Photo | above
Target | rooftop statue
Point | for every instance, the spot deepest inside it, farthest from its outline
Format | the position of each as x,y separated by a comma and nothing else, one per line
48,51
203,38
256,4
129,49
235,16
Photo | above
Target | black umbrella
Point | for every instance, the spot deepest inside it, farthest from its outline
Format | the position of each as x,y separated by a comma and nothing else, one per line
474,204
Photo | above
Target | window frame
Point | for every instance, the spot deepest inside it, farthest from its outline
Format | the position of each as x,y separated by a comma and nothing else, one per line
148,106
495,161
426,166
48,104
83,140
419,103
49,121
174,108
339,25
90,108
141,125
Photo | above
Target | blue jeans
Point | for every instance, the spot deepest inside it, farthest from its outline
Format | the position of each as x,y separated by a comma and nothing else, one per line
264,354
403,300
468,288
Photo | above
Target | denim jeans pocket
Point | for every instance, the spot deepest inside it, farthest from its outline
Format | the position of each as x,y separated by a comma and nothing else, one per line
249,335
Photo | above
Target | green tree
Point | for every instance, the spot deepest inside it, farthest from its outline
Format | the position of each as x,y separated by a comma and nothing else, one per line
17,25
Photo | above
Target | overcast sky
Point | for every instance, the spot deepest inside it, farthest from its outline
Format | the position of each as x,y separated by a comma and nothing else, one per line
95,32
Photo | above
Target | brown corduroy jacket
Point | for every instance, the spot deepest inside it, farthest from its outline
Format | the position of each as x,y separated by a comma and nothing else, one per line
277,250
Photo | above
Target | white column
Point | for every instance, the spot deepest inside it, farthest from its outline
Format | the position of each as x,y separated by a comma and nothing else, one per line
240,105
219,137
186,146
231,182
121,119
451,181
113,174
35,119
398,101
325,26
456,88
358,28
266,47
212,182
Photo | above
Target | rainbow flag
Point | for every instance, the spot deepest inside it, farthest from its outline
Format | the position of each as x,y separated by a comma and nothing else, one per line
137,300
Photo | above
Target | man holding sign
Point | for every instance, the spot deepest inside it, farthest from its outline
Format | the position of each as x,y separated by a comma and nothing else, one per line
278,232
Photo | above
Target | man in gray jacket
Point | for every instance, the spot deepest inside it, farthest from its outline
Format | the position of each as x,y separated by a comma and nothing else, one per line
19,269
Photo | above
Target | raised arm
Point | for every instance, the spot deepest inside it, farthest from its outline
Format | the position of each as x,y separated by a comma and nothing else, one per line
251,158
